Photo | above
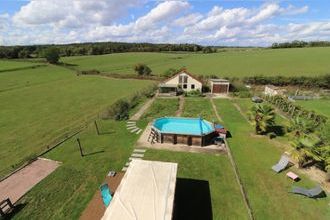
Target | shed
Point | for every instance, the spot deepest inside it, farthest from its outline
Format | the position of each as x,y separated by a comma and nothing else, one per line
219,86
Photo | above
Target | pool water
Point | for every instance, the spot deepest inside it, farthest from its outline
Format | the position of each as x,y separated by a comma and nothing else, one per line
187,126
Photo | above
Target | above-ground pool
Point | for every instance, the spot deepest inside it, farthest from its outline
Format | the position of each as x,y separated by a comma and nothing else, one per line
190,131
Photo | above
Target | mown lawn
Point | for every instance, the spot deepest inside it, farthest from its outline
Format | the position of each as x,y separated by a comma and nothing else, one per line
66,192
266,190
216,171
161,107
285,62
41,105
198,107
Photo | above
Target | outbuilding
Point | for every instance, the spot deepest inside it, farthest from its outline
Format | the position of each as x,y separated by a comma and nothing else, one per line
219,86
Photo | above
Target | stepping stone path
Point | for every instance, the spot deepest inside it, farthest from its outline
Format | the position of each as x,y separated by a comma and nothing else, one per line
137,154
131,126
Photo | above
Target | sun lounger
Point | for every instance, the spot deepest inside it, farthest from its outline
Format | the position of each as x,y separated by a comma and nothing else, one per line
282,164
106,194
315,192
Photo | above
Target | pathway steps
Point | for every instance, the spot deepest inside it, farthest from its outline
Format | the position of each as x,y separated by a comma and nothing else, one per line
137,154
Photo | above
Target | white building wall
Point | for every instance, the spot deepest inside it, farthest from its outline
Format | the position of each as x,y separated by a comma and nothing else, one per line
190,81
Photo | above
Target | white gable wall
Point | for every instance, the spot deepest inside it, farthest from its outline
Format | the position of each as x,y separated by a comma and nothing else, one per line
191,82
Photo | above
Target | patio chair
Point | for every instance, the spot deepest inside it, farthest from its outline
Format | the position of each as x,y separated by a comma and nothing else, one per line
316,192
282,164
105,194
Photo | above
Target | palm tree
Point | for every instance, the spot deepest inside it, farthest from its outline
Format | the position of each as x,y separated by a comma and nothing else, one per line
300,126
263,117
306,148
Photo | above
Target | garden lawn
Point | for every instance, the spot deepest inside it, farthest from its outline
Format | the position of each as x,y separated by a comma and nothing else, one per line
161,107
198,107
266,190
226,200
43,105
6,65
66,192
268,62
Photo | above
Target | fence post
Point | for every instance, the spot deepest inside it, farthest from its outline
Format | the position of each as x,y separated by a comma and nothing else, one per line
97,128
80,148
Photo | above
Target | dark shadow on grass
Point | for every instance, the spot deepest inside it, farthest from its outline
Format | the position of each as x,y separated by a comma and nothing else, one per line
92,153
106,132
17,209
228,135
277,129
192,200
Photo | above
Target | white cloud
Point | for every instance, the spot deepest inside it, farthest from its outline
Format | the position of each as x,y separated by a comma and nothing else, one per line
72,13
63,21
188,19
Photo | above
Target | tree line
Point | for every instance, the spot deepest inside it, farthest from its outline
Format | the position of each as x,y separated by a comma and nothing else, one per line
98,48
300,44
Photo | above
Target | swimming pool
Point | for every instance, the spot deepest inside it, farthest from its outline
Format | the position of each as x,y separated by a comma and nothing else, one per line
190,131
176,125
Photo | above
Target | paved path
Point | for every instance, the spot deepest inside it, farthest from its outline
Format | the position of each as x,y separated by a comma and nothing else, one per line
138,114
232,161
16,185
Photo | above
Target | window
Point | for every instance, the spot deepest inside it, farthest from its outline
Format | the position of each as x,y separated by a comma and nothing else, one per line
184,86
192,86
185,79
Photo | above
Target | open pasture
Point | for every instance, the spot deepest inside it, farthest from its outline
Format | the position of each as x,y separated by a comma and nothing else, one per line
8,65
268,62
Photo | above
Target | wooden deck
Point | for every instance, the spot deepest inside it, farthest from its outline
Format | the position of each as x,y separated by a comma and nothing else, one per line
95,208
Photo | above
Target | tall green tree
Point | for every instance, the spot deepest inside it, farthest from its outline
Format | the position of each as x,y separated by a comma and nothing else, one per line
263,117
51,54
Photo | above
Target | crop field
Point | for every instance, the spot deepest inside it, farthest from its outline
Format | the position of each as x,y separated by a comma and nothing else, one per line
286,62
43,104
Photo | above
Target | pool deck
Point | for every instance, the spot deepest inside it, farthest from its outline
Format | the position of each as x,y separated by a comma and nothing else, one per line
95,208
143,143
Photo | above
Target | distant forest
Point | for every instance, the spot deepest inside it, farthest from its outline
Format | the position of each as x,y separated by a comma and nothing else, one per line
297,44
33,51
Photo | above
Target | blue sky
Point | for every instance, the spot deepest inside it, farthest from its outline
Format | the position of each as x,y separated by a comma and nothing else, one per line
230,22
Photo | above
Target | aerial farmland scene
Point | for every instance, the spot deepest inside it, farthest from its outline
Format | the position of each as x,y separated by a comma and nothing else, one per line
164,110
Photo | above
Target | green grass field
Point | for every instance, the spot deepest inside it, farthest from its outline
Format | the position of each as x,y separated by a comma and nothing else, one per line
6,65
286,62
43,104
266,190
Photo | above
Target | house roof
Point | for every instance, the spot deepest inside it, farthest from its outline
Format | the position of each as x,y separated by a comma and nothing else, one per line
145,192
183,71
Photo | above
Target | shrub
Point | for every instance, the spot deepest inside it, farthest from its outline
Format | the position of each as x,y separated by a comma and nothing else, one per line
142,69
193,93
89,72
